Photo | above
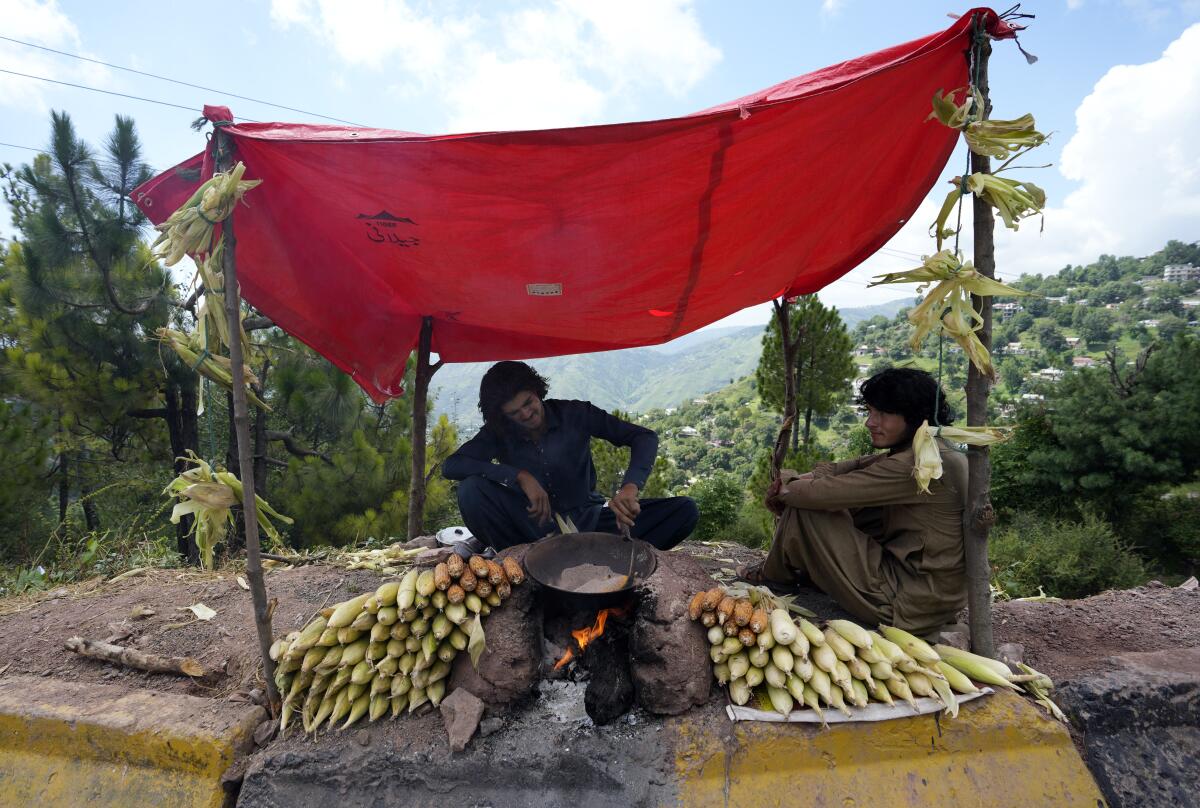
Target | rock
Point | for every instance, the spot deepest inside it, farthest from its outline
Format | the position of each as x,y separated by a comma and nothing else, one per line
266,731
955,639
1190,584
510,666
433,556
669,658
1011,653
490,726
461,712
1140,726
420,541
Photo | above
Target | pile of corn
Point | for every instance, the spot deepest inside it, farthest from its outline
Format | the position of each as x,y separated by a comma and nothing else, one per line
759,650
390,649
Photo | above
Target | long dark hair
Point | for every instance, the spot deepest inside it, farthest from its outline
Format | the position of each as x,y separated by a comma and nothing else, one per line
502,382
913,394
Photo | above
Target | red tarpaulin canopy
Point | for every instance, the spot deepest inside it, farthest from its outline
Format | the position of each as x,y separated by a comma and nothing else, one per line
539,243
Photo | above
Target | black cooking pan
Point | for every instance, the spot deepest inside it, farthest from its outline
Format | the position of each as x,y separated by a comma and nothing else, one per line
548,558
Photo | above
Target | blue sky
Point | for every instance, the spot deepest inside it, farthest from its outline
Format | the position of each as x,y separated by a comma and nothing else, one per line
1117,81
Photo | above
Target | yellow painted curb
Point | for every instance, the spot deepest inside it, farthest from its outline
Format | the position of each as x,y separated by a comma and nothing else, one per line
69,743
999,751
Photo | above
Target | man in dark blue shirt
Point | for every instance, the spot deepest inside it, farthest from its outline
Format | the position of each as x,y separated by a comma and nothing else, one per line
533,459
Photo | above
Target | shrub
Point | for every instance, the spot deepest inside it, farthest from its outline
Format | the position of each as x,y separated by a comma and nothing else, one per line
719,498
1166,531
1067,559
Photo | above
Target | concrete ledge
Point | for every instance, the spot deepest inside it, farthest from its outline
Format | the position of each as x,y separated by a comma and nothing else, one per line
66,743
1000,750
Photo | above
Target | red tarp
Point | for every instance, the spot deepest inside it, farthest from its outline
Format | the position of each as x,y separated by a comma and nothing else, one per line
539,243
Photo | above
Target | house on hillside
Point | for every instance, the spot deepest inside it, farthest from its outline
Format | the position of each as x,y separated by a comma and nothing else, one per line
1048,374
1015,349
1083,362
862,350
1190,302
1072,341
1148,323
1176,273
1060,300
688,432
1005,310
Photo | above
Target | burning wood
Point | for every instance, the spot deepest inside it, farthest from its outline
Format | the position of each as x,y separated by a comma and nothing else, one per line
584,636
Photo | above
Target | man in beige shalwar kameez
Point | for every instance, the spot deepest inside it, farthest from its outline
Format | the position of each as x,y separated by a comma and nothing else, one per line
863,532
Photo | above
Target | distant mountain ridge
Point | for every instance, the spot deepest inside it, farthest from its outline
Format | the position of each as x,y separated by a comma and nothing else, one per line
634,379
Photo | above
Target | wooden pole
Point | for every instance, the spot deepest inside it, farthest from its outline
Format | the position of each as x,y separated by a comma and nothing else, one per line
979,514
787,347
420,393
241,422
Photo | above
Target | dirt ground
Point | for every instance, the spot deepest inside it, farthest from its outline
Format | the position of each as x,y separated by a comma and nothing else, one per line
1065,639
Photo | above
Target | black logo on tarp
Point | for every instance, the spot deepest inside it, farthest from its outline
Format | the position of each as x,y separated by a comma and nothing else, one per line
388,228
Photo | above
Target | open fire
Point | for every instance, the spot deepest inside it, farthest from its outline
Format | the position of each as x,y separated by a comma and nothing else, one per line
584,636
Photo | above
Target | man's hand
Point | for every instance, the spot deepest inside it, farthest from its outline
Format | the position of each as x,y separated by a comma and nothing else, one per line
539,500
774,504
625,505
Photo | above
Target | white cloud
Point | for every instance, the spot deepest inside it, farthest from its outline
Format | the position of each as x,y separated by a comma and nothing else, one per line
1133,156
550,64
40,24
831,6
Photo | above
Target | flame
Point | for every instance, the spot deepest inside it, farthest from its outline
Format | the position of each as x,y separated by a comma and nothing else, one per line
583,636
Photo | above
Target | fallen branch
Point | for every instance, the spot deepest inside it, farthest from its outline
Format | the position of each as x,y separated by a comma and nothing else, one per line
132,658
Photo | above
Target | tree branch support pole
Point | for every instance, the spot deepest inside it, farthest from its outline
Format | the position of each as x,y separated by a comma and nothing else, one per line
787,347
420,394
241,422
979,514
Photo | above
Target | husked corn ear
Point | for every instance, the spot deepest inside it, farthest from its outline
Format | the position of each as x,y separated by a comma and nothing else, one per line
345,613
708,618
759,620
958,680
513,570
759,657
912,645
730,627
495,572
782,627
364,621
711,598
467,580
716,635
823,657
482,588
696,606
478,565
425,583
766,639
739,691
978,668
747,637
742,610
441,576
455,566
781,699
407,593
381,632
754,676
842,649
812,633
306,639
853,633
725,609
838,699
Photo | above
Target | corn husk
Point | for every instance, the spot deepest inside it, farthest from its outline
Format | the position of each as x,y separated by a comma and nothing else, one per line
189,229
927,464
948,304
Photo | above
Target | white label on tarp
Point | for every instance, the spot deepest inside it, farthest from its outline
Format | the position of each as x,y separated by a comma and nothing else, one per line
544,289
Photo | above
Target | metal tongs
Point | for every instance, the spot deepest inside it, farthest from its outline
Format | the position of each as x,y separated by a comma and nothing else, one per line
626,537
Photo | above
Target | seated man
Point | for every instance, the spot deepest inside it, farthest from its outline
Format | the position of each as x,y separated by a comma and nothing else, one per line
863,532
542,449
